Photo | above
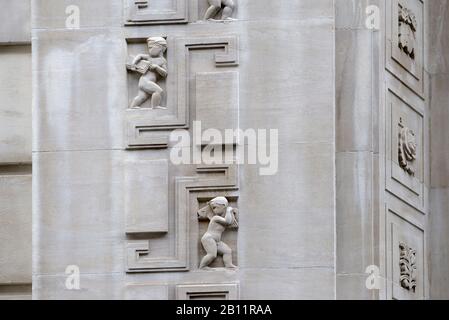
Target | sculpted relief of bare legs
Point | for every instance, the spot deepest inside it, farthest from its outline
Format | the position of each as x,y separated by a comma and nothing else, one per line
221,217
211,248
152,67
148,89
216,5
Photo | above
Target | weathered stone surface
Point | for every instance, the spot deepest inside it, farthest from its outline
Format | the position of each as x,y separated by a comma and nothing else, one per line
361,113
15,106
15,229
15,18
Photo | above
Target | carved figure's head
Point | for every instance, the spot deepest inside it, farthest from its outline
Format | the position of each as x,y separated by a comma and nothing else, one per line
216,206
156,46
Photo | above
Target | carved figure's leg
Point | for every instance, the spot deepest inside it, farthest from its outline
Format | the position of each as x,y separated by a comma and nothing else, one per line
210,246
226,252
139,99
228,9
215,6
155,91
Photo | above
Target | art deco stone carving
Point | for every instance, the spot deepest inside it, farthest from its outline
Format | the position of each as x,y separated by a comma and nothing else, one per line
208,291
408,27
221,217
407,148
140,257
404,45
406,252
215,6
152,67
151,129
407,264
155,11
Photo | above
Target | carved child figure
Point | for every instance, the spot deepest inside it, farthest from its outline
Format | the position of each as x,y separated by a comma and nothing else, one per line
221,216
216,5
152,66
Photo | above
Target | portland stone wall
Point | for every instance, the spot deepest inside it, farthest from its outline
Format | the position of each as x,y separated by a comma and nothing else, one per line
109,202
15,150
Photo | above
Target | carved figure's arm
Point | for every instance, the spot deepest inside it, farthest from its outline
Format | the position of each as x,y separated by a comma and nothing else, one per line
162,70
140,57
219,220
229,215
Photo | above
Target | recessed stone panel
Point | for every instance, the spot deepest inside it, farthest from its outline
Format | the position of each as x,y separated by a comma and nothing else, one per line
406,256
150,128
140,254
208,292
156,11
405,42
406,147
146,197
217,101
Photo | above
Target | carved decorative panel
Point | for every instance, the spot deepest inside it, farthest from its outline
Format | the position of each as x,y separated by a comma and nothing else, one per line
218,218
146,196
217,101
148,128
140,256
156,11
407,266
208,292
405,42
406,148
405,254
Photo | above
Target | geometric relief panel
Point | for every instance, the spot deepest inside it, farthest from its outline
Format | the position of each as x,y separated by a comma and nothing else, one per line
405,42
156,11
217,102
144,254
406,148
146,196
406,255
208,292
205,61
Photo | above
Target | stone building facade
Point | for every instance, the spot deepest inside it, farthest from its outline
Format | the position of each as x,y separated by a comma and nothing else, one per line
343,111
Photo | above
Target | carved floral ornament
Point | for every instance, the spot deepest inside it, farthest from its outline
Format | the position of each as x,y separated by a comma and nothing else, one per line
407,265
408,27
407,148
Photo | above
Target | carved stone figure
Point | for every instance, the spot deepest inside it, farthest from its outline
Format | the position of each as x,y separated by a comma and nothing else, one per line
407,148
152,67
407,31
216,5
221,216
407,264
